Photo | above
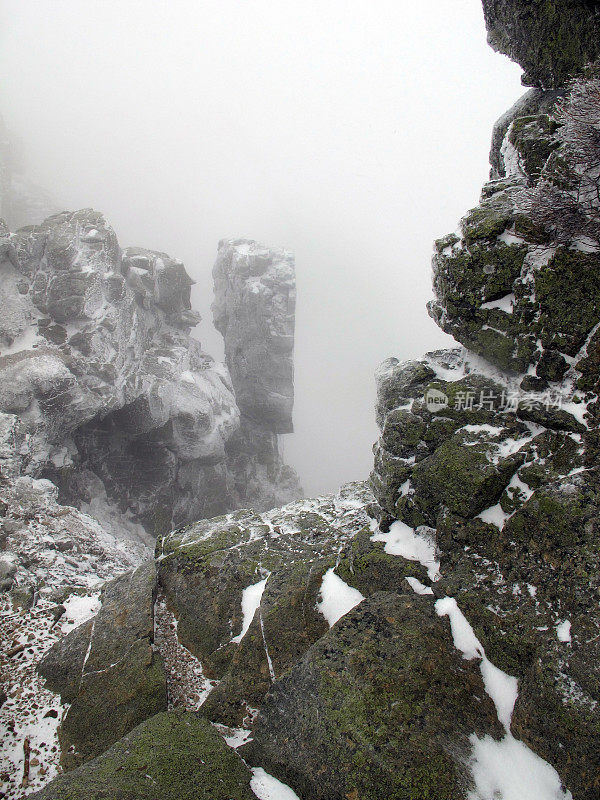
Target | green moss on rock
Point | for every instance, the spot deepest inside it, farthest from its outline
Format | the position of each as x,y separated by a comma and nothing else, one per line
478,274
568,294
354,717
172,756
551,39
366,566
461,478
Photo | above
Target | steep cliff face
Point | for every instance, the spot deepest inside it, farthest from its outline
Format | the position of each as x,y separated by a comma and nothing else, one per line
495,446
254,310
121,407
550,39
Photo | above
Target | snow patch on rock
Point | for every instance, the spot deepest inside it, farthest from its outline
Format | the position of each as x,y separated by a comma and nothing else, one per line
337,598
419,545
508,769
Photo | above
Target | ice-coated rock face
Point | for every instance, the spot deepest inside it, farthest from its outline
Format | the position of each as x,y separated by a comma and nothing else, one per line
254,309
119,403
551,39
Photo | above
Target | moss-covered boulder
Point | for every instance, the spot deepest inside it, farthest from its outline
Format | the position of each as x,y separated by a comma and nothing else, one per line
556,711
286,625
366,566
172,756
108,670
568,294
466,474
560,524
382,705
205,568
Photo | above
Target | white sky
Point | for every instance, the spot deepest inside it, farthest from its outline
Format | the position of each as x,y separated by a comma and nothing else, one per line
352,132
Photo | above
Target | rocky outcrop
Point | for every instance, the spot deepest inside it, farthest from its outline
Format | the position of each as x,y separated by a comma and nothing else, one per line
172,756
243,594
205,570
442,638
114,426
514,507
46,546
254,310
108,671
120,406
551,39
358,701
494,446
508,283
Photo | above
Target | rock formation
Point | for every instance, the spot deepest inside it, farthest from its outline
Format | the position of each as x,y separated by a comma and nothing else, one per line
254,310
174,756
550,39
495,445
439,637
118,403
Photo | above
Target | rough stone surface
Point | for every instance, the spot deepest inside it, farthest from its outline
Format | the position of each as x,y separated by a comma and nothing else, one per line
123,410
254,309
487,460
172,756
508,287
48,546
204,569
514,506
533,103
108,670
353,717
551,39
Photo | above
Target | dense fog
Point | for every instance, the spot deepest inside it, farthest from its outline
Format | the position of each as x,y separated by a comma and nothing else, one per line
351,132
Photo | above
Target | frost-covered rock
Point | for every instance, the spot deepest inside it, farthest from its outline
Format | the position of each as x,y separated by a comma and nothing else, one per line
54,559
442,640
254,309
119,405
516,285
53,546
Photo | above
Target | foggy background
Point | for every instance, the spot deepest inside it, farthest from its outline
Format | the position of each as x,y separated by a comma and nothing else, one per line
351,132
